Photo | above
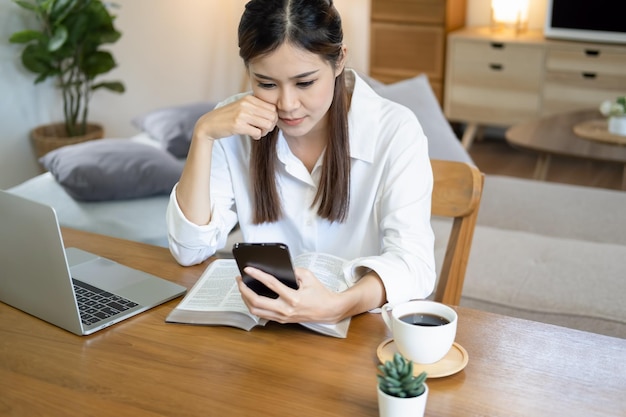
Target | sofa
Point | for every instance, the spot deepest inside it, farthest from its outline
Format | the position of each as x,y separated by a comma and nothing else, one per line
541,251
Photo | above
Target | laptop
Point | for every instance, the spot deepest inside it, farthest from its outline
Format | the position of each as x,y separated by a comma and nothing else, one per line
40,277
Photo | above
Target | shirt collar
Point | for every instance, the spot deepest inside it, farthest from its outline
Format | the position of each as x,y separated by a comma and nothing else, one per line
364,105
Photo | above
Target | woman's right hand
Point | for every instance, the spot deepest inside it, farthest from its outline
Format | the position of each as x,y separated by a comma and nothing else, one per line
247,116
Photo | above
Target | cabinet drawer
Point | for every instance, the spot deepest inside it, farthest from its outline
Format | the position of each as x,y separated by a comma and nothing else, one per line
497,75
418,11
587,61
407,50
510,67
567,91
503,53
492,106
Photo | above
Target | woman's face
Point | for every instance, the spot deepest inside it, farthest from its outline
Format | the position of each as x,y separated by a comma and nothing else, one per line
300,84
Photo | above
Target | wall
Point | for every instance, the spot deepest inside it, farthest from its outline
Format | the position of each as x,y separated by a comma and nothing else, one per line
171,52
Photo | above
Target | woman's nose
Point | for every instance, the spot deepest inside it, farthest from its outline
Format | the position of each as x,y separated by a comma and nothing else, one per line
287,100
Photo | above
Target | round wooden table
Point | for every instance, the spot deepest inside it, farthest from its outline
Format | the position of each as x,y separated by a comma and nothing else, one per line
554,135
597,129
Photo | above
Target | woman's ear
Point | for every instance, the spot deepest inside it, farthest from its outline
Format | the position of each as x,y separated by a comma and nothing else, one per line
341,63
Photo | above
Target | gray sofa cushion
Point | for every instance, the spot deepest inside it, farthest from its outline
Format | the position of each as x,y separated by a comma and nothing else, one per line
550,209
113,169
173,126
569,282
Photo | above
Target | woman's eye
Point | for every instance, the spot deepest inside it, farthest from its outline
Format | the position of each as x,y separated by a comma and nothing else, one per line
266,86
305,84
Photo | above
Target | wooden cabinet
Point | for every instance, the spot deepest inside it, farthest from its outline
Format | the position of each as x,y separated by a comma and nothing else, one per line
495,81
582,75
502,79
408,38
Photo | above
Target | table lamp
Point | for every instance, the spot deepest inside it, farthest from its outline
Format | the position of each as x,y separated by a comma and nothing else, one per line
509,14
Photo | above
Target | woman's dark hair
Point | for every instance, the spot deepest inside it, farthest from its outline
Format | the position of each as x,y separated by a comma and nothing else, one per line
314,26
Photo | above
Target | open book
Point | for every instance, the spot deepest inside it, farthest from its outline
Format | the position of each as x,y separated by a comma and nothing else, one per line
215,298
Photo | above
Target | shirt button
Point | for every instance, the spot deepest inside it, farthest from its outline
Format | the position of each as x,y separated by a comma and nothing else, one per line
309,222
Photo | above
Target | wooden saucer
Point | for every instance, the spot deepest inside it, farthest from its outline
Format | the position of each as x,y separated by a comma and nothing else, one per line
454,361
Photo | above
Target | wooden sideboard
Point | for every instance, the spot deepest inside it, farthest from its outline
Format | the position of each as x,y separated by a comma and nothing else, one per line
499,78
408,38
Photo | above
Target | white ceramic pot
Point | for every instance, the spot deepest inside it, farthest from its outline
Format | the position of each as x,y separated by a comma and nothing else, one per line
389,406
617,125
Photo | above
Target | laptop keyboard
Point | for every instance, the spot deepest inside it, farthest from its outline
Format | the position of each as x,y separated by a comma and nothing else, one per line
95,304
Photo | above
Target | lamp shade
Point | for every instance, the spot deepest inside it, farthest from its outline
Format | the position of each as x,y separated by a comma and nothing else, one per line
509,13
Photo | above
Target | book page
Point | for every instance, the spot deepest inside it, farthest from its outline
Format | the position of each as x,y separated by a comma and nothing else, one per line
216,290
327,268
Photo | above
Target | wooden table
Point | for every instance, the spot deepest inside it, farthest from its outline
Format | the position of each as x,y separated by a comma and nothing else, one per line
554,135
145,367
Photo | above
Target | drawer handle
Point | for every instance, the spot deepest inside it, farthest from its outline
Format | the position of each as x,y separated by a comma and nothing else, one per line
589,75
592,52
497,45
496,67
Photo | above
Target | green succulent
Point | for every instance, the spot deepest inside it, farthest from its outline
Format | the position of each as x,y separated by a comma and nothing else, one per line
396,378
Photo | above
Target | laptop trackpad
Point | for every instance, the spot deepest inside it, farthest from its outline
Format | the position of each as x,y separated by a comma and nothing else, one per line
107,275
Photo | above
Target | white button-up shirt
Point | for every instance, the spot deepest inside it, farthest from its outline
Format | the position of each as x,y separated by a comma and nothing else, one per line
388,225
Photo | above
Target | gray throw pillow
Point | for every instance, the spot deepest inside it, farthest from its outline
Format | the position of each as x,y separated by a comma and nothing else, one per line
113,169
416,94
173,126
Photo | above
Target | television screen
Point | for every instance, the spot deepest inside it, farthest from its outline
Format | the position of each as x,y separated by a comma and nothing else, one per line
598,20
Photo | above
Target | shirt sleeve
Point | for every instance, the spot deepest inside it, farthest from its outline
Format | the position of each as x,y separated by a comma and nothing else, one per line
406,264
190,243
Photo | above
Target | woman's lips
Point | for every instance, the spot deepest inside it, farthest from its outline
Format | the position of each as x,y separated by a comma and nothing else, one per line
292,122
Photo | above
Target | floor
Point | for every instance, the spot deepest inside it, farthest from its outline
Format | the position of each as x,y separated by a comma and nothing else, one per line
494,156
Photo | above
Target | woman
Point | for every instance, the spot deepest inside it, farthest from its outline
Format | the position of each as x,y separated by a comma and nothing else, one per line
313,158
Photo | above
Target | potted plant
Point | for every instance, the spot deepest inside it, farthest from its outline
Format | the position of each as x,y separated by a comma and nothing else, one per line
400,393
616,112
67,46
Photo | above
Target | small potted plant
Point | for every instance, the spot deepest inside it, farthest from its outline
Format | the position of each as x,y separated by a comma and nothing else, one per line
400,393
616,112
67,46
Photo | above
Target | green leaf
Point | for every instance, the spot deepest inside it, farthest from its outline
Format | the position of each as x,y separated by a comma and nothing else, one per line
115,86
61,9
78,28
46,5
58,38
25,5
26,36
98,63
36,59
110,36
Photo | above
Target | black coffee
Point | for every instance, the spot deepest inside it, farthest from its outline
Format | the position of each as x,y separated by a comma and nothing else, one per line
423,319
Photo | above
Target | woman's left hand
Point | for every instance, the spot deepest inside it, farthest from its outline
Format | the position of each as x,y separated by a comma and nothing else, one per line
311,302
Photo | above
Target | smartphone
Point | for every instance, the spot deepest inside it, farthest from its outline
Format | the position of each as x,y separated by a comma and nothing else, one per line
272,258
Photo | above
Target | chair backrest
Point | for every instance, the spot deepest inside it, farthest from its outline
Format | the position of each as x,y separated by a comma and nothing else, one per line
457,191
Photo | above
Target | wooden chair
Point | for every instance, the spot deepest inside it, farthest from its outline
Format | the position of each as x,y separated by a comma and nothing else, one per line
457,192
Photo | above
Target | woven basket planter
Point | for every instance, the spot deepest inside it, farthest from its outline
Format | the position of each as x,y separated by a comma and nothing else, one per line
47,138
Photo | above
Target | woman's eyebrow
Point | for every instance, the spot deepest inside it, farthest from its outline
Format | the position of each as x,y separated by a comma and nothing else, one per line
296,77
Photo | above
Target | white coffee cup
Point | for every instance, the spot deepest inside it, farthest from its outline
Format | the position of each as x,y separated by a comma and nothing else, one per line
418,342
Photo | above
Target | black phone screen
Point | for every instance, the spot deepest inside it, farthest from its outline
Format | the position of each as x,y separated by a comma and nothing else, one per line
272,258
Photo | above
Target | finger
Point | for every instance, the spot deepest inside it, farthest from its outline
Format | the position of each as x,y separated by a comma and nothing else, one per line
258,305
254,125
268,280
260,108
264,113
